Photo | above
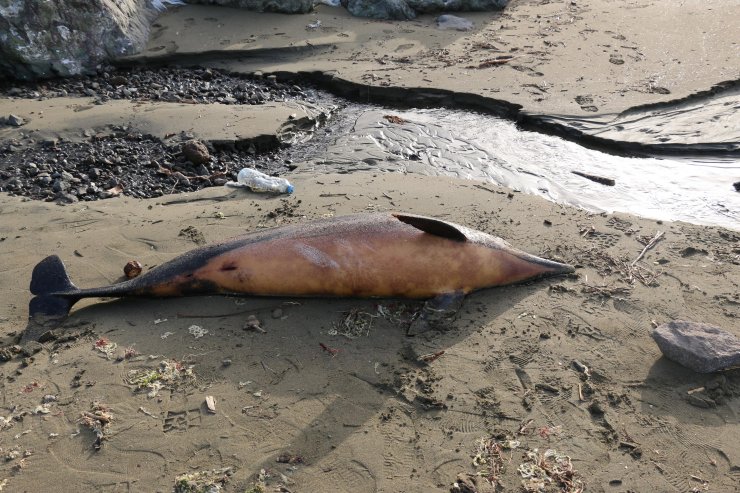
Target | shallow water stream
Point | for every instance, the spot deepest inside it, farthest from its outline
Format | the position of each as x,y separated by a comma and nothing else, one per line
475,146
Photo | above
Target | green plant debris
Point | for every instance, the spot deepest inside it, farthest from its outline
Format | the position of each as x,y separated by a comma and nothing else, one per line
203,482
549,471
169,374
355,323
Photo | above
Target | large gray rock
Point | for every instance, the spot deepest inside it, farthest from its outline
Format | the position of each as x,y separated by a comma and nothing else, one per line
281,6
702,347
408,9
48,38
381,9
426,6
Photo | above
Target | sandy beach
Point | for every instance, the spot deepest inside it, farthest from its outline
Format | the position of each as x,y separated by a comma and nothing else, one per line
331,395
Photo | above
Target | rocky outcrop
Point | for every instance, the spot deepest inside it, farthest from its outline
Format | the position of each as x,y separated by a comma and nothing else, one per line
408,9
49,38
281,6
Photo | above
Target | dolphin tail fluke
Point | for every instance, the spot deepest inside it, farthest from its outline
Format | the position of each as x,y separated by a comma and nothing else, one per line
55,293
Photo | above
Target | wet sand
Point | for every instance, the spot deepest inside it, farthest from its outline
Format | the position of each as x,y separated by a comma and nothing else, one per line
321,404
553,65
371,417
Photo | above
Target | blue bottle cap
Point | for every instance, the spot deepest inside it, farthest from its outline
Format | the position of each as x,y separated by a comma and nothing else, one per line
290,189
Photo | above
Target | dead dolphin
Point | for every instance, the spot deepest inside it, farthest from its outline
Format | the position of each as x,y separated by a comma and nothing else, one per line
364,255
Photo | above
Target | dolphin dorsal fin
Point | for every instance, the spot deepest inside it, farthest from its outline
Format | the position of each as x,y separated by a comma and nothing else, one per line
432,226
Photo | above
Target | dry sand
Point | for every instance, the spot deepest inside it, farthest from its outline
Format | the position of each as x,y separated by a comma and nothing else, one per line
76,119
370,416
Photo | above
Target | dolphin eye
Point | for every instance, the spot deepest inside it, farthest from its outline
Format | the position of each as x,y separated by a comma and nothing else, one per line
229,266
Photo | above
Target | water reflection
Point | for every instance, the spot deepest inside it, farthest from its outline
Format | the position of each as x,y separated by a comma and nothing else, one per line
469,145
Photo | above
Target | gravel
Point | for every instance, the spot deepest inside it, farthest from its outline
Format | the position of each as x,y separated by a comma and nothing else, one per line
128,162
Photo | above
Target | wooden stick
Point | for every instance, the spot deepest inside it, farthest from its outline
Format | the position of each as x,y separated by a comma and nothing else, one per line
650,245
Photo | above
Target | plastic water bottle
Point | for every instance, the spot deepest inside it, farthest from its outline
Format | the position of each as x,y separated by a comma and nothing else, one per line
260,182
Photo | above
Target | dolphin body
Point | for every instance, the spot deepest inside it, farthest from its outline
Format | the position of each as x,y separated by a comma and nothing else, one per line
365,255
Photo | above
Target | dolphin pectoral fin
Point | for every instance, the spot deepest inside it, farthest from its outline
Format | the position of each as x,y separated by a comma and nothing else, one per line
432,226
437,312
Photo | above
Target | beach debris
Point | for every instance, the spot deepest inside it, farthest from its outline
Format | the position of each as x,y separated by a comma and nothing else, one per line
166,335
489,458
193,235
211,481
598,179
453,22
314,25
97,419
159,321
395,119
650,244
169,374
197,331
330,350
115,191
132,269
105,346
494,62
581,368
252,323
548,431
701,347
401,314
355,323
211,404
465,483
737,186
6,354
428,358
256,181
146,411
289,458
277,313
128,353
196,152
540,470
28,388
41,409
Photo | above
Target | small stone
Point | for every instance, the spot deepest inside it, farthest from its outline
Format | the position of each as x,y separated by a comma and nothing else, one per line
226,362
737,186
5,355
595,408
15,121
30,348
277,313
118,80
132,269
701,347
196,152
66,198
